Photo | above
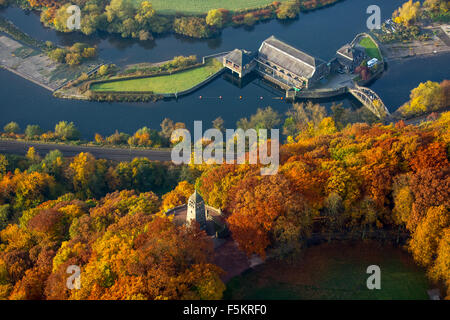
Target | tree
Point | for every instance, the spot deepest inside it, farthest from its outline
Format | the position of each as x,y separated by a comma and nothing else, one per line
192,27
426,238
3,165
249,19
32,131
215,18
67,131
303,118
58,55
264,210
288,10
32,155
178,196
441,267
120,9
103,70
89,53
11,127
407,13
167,127
73,59
145,13
218,124
263,119
4,216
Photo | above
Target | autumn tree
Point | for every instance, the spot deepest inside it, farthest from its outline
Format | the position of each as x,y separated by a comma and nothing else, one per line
267,211
215,18
407,13
177,196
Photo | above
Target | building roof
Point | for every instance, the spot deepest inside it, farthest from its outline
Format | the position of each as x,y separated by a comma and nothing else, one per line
196,197
289,58
347,51
240,57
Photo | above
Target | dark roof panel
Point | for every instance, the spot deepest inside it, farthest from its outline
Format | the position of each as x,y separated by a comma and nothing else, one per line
289,58
240,57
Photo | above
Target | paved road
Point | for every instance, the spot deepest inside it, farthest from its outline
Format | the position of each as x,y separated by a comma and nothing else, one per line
21,148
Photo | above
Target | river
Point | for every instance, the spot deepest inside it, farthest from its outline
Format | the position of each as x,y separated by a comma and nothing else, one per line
319,32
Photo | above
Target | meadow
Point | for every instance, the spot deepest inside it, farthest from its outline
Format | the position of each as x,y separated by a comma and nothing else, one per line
203,6
173,83
371,48
333,272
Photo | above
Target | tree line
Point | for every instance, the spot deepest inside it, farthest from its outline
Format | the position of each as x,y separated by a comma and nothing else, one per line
134,19
108,218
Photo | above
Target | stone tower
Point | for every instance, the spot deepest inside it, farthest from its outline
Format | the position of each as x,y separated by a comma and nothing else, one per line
196,210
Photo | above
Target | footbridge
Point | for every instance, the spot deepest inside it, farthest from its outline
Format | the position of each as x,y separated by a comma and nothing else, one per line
371,100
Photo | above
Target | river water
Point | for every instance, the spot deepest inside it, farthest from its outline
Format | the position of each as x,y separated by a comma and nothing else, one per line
319,33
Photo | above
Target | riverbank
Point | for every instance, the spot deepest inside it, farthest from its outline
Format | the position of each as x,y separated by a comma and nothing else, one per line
414,49
184,17
26,57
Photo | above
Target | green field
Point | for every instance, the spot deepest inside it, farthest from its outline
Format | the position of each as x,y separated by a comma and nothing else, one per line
173,83
203,6
333,272
371,48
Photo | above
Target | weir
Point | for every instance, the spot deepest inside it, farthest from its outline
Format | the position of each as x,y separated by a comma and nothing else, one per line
302,75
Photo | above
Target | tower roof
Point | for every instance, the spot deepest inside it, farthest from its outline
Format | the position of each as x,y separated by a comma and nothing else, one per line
196,197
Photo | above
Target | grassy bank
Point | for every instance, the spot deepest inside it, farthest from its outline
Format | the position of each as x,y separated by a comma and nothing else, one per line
203,6
173,83
334,271
371,48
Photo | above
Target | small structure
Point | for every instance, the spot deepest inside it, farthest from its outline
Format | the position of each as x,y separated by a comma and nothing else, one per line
196,210
287,65
350,57
240,61
210,219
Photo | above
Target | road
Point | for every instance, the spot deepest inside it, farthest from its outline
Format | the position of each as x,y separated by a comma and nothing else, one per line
122,154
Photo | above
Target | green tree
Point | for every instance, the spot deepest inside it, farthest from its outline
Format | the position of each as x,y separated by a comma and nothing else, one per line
3,165
288,10
218,123
4,216
145,13
215,18
11,127
58,55
67,131
263,119
33,131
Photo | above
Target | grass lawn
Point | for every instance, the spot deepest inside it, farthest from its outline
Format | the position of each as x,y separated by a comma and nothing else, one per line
333,272
371,48
173,83
203,6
